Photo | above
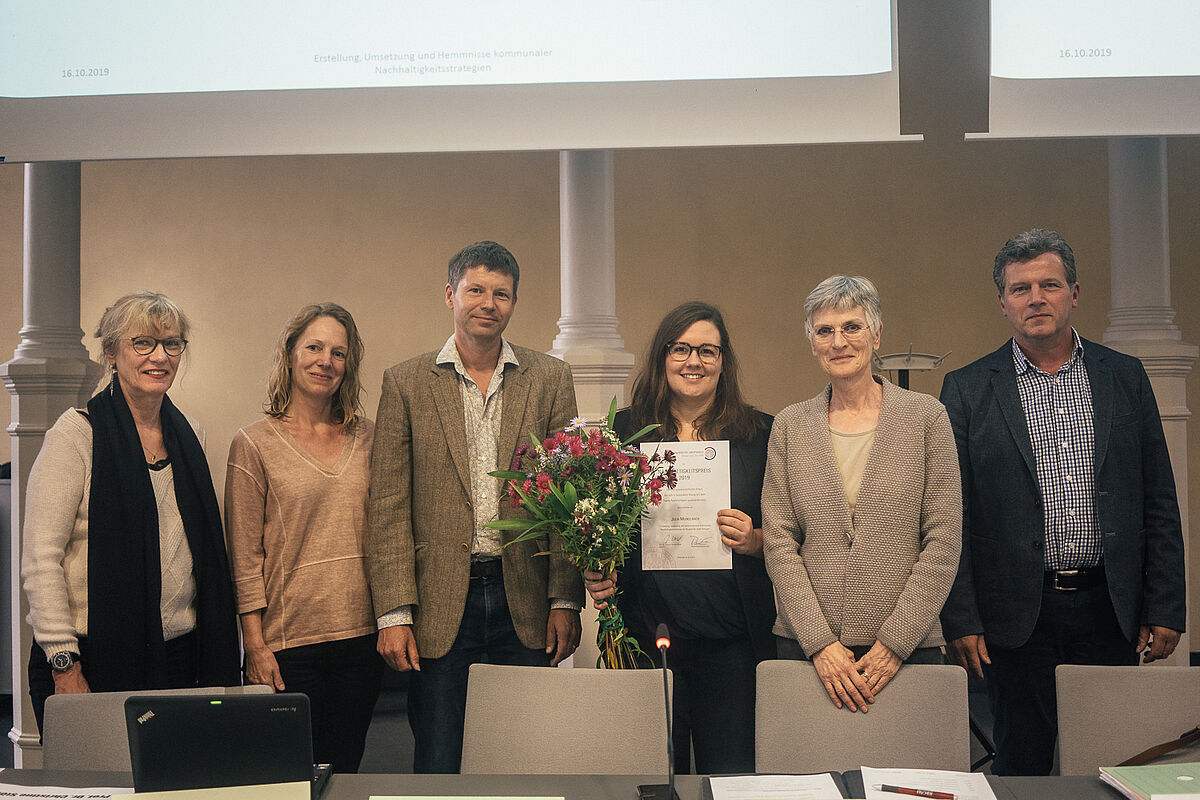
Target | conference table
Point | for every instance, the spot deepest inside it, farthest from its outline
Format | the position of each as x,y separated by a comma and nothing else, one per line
571,787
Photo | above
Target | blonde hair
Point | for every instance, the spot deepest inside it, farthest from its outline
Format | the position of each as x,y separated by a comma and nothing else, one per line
347,403
143,311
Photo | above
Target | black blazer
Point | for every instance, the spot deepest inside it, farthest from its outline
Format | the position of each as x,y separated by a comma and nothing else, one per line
999,584
747,462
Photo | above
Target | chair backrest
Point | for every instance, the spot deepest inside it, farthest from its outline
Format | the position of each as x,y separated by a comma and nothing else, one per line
87,731
918,721
1109,714
539,720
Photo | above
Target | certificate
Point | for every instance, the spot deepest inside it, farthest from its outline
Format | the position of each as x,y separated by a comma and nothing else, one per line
682,532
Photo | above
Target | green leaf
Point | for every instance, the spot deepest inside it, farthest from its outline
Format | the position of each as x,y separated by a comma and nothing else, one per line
612,412
514,524
537,443
571,496
640,434
508,475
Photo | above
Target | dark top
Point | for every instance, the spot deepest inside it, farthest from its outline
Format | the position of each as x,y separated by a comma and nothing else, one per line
711,604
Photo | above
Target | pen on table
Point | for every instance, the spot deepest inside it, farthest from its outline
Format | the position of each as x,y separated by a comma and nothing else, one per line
916,792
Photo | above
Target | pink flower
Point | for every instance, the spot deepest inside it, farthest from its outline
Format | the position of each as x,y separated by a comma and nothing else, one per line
575,447
549,444
543,485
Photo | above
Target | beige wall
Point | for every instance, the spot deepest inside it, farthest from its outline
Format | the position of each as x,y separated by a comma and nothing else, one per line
241,243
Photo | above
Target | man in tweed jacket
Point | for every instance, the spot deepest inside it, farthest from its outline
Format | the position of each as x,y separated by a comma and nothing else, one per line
449,594
1072,547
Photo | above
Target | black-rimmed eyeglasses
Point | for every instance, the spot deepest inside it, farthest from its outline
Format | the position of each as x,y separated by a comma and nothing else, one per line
144,345
682,351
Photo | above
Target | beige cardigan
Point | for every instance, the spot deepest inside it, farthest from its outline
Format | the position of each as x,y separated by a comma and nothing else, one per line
883,573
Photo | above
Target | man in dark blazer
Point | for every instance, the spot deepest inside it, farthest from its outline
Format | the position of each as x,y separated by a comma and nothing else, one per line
1072,544
447,590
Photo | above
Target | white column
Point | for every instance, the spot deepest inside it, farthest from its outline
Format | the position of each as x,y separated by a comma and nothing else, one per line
1142,322
588,338
50,371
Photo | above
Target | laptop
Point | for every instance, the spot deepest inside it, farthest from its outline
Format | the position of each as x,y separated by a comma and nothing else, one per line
183,741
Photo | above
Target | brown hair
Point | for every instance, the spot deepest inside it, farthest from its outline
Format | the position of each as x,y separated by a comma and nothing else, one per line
729,416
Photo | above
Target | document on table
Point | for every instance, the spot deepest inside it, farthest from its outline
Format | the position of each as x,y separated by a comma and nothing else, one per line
1155,780
12,791
942,784
775,787
682,532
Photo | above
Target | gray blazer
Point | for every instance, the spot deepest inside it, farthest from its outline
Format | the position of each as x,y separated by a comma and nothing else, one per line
883,573
420,521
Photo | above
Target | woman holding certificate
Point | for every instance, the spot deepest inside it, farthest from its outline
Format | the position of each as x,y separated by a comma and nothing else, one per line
862,509
720,619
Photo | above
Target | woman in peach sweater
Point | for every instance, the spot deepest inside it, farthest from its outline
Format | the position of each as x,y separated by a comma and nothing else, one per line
296,514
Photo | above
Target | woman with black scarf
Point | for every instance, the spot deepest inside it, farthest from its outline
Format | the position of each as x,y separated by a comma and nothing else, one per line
124,562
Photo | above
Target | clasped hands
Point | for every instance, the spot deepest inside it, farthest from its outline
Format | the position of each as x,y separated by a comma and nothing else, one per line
854,683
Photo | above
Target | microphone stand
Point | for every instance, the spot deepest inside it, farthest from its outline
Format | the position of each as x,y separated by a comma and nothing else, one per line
659,791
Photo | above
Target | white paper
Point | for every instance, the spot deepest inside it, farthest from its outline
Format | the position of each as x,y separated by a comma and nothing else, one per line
682,532
963,785
775,787
12,791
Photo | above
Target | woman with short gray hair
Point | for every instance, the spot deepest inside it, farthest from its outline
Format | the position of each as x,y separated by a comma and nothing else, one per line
862,509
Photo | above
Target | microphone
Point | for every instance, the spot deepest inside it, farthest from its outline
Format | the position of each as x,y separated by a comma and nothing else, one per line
658,791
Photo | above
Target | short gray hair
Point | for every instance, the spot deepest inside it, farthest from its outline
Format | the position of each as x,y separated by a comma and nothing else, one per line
844,292
1028,246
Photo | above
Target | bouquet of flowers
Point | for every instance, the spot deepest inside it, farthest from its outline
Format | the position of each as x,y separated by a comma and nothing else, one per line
591,488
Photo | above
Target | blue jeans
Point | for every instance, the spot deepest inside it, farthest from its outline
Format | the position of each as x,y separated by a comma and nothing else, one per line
437,693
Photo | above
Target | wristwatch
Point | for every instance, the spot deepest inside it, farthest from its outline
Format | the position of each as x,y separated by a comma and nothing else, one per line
63,660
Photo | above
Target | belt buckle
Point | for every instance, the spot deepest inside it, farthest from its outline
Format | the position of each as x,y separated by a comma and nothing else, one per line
1073,573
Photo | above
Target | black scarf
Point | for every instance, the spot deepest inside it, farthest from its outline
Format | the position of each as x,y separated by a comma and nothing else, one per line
125,639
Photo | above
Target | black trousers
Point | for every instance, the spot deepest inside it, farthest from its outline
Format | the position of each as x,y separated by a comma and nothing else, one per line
712,702
342,680
182,670
1075,627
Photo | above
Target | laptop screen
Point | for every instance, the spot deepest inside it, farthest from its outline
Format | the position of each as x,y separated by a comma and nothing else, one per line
204,741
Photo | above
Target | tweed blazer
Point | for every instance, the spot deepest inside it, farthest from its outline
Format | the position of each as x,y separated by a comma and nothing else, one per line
419,518
882,573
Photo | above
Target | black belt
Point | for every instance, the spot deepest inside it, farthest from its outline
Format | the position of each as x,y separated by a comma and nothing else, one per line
486,568
1070,580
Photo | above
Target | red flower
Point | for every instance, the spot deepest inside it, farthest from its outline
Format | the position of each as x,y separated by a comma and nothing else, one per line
575,447
549,444
543,485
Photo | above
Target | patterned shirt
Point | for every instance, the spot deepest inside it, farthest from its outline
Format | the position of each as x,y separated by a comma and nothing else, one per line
482,417
1058,411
